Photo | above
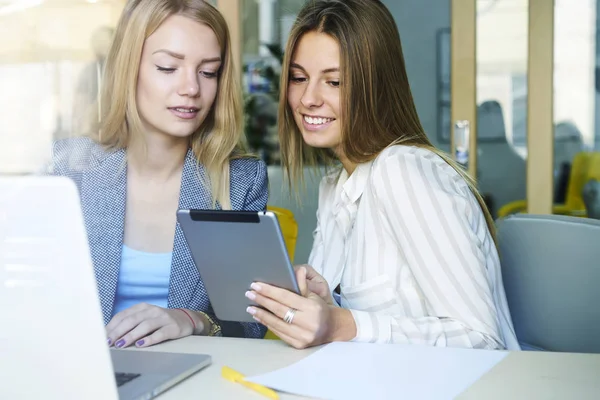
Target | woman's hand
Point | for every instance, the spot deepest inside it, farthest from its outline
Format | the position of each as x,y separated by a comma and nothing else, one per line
313,321
316,283
146,325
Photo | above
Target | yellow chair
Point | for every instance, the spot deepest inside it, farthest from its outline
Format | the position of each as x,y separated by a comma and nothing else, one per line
593,167
593,175
289,229
573,201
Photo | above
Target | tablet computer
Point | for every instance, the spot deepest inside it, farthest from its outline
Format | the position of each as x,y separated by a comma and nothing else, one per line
232,249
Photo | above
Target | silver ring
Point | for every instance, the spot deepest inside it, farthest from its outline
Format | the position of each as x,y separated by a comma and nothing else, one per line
289,315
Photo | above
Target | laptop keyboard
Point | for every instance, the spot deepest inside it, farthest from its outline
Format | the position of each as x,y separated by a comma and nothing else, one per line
122,377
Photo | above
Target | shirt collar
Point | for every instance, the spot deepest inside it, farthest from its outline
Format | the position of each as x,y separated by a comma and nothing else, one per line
350,188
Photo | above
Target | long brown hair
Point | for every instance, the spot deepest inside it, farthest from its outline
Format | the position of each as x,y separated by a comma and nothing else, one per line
375,92
219,138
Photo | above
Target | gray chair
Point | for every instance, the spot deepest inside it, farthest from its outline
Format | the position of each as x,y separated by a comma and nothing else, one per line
551,273
500,169
591,198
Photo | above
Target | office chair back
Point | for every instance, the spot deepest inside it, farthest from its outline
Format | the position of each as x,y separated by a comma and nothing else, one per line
593,168
577,179
289,228
591,190
574,204
551,274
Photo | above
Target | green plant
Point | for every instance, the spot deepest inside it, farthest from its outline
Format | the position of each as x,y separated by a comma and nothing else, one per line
260,107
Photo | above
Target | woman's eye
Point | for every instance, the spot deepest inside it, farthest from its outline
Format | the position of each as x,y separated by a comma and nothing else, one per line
165,70
209,75
334,83
297,79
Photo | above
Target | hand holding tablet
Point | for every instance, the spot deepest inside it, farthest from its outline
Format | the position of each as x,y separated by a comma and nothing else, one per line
233,249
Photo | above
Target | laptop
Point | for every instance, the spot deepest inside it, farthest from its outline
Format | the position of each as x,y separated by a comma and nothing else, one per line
52,337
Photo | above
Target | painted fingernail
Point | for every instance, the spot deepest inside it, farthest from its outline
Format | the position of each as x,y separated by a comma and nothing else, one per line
140,342
120,343
255,286
108,341
251,310
250,295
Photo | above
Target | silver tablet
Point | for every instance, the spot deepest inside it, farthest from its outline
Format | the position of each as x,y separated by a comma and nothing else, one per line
232,249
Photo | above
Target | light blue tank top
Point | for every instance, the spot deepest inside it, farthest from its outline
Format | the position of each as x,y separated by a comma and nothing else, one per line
143,278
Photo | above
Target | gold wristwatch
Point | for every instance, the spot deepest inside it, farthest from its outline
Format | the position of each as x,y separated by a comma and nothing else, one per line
214,329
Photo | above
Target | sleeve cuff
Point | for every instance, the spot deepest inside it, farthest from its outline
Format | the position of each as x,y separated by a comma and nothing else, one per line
372,328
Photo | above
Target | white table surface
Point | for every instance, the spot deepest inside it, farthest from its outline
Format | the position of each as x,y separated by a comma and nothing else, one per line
521,375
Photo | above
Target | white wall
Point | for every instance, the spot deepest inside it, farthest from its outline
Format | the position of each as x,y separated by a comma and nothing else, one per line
418,22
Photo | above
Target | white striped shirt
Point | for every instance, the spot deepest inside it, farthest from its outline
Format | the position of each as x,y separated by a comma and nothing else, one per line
409,245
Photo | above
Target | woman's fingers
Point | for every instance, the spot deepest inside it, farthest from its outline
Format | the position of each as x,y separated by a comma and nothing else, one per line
315,283
126,324
283,296
273,306
302,282
128,312
144,328
157,337
311,273
145,325
292,333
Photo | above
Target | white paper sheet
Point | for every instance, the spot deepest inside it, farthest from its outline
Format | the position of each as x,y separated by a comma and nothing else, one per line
371,371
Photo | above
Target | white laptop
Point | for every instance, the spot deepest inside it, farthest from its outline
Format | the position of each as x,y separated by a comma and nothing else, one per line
52,338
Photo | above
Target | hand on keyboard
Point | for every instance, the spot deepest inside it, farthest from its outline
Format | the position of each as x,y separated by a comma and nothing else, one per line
145,325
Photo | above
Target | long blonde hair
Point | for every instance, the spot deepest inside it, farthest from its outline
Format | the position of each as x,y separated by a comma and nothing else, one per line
377,109
219,138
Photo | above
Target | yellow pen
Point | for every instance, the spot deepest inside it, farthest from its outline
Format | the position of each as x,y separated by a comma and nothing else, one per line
234,376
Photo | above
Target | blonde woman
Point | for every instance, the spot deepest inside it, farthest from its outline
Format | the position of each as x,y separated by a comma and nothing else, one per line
169,138
401,228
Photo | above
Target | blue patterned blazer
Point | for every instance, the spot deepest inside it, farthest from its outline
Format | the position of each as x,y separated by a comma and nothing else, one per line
101,178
